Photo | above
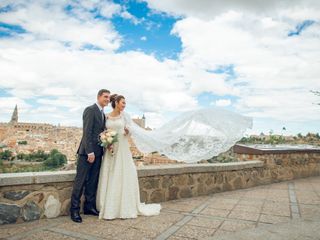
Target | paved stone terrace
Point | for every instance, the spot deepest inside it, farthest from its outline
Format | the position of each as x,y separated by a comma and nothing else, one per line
286,210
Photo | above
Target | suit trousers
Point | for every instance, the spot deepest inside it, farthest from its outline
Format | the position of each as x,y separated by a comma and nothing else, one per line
87,177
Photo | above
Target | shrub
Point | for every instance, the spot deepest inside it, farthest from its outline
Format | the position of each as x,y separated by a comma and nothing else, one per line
21,156
55,159
6,155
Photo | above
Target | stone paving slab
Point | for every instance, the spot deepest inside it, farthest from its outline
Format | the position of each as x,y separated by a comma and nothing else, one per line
294,229
286,210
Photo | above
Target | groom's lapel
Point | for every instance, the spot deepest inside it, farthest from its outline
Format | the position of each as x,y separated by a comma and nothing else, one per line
99,114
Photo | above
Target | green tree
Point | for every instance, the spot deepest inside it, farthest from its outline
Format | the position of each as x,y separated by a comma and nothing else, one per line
27,157
55,159
6,155
41,155
21,156
38,156
53,151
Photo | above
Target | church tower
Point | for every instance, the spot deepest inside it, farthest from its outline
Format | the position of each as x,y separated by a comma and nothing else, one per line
140,121
14,117
143,122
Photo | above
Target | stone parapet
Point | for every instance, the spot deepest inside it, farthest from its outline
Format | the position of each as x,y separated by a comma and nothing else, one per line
30,196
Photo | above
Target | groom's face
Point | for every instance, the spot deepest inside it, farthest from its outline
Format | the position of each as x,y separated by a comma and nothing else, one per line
104,99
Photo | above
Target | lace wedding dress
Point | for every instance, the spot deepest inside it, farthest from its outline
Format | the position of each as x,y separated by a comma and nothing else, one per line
118,193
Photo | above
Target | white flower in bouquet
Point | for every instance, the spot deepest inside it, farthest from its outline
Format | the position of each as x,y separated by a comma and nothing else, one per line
113,133
108,138
103,137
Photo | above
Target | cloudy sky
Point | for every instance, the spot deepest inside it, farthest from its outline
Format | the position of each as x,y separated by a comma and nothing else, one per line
257,58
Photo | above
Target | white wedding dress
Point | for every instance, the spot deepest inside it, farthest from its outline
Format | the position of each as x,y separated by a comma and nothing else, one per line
118,193
190,137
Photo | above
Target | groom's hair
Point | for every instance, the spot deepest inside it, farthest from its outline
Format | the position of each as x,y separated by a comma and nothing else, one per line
102,91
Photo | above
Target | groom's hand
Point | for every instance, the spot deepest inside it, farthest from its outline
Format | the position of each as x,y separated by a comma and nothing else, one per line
91,157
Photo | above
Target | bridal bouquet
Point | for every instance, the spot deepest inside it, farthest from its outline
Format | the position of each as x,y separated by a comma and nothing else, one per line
108,138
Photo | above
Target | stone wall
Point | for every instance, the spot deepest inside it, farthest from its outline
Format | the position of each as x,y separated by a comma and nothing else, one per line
283,164
30,196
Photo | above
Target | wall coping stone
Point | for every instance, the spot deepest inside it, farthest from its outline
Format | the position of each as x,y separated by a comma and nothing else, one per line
11,179
258,149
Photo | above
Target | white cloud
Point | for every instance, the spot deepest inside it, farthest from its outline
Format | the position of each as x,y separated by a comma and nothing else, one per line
155,119
108,9
284,105
222,102
273,73
7,105
49,21
72,78
39,68
208,9
125,14
36,67
143,38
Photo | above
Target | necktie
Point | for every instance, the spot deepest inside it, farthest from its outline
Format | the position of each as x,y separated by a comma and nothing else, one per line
102,114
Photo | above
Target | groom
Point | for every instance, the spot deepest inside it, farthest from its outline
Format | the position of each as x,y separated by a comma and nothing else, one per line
89,158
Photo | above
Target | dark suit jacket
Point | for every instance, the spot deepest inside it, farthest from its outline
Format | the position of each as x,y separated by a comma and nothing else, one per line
93,125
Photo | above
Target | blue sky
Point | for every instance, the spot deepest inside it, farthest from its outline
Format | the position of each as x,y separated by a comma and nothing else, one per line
301,27
9,30
166,58
152,36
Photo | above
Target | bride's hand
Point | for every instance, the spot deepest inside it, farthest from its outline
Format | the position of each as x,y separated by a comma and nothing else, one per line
126,131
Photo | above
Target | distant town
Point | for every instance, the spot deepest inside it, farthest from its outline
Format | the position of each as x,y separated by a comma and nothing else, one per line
40,146
25,146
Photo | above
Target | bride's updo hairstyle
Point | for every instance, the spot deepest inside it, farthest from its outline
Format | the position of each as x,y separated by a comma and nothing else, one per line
115,98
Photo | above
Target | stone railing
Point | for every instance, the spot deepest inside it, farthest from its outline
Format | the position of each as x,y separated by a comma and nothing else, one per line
30,196
283,163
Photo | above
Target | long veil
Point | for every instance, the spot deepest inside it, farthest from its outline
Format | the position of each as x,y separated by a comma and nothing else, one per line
192,136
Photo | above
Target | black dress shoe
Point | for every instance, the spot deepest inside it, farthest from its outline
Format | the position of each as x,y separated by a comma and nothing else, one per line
91,211
75,216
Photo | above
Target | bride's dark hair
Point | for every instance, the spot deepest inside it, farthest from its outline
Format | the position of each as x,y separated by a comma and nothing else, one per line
115,98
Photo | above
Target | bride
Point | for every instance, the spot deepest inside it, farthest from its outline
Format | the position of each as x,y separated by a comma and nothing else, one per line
118,193
190,137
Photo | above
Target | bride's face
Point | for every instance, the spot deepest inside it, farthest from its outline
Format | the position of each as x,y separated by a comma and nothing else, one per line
121,104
